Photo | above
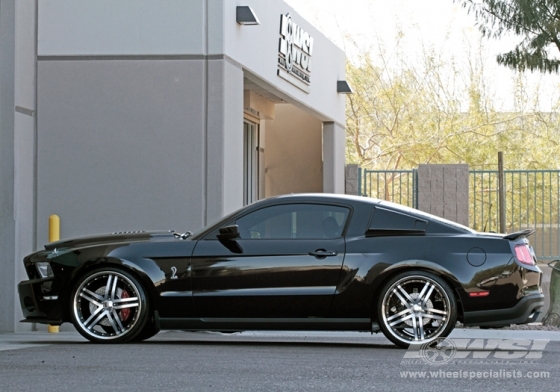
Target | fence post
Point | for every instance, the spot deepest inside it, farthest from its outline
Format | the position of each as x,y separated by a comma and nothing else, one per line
364,185
54,235
415,188
501,192
360,193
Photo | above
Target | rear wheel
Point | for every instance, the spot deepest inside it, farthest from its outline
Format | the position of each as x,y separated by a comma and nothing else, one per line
109,306
416,307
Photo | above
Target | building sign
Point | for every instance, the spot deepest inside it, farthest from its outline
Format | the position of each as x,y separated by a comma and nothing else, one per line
294,54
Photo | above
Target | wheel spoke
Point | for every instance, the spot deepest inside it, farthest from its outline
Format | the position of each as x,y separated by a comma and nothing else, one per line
107,287
90,324
399,314
414,327
99,309
115,322
402,320
432,316
426,286
121,300
432,310
405,293
428,294
113,288
421,327
92,294
404,301
125,306
86,294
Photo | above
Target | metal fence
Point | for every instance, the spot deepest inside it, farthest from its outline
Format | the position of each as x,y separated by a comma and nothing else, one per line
399,186
532,199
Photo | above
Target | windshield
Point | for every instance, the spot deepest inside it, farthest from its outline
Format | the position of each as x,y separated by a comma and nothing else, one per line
201,232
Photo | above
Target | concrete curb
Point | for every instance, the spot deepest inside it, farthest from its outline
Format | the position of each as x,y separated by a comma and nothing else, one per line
33,339
529,334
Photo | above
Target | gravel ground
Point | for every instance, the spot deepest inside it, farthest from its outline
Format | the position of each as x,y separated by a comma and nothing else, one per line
526,327
535,326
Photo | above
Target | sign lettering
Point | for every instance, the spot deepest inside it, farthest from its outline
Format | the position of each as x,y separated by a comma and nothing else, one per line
294,53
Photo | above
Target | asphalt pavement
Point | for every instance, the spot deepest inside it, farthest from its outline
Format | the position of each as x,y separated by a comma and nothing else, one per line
18,340
484,360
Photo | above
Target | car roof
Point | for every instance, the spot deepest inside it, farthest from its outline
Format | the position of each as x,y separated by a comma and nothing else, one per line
325,197
353,199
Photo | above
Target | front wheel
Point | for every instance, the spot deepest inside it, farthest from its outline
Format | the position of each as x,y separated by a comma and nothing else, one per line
150,330
109,306
416,308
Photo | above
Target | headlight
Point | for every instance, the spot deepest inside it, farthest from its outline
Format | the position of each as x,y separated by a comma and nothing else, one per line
44,269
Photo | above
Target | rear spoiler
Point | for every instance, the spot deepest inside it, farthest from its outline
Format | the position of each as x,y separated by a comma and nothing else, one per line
519,234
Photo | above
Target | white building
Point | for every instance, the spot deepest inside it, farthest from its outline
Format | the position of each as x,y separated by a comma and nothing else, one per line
157,114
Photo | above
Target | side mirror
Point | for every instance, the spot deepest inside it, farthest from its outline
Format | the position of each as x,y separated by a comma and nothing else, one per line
228,233
227,237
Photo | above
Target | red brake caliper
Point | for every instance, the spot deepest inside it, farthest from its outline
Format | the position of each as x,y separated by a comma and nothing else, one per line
125,313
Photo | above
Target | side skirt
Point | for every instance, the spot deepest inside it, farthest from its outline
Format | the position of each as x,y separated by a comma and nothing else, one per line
270,324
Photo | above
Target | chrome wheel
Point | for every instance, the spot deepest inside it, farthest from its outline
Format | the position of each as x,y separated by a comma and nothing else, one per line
109,306
416,308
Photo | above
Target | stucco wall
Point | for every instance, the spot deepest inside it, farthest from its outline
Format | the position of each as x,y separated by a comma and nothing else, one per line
293,152
177,27
120,145
127,115
124,27
7,144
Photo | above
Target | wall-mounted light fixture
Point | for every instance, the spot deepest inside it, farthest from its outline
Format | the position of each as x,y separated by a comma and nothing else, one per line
342,87
246,16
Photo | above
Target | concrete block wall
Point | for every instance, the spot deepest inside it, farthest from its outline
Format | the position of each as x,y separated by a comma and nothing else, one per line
351,184
546,239
443,190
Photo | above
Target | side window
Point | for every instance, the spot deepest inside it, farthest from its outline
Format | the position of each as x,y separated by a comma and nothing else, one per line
310,221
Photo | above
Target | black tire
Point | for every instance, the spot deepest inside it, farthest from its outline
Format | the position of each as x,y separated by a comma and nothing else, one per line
109,305
150,330
416,307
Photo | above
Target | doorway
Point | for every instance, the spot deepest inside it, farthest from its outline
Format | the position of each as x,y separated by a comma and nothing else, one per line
250,162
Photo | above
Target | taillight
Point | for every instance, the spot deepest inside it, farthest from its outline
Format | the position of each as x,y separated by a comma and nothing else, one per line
523,255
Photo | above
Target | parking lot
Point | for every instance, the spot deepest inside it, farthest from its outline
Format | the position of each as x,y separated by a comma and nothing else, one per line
295,361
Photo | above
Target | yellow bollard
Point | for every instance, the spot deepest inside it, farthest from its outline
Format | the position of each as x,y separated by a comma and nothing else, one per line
54,235
54,228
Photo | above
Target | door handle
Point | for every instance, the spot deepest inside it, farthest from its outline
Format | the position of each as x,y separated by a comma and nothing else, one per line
322,253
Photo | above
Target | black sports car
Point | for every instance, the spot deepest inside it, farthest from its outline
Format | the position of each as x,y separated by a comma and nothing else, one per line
297,262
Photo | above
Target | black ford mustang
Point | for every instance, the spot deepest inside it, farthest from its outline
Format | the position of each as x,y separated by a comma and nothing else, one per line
298,262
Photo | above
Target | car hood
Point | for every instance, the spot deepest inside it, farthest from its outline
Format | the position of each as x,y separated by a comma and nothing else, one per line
112,238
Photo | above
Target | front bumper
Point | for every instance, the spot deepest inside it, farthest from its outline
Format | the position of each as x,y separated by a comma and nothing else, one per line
38,304
526,311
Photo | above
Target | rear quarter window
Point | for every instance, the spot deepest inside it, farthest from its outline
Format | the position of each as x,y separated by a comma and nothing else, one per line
384,219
